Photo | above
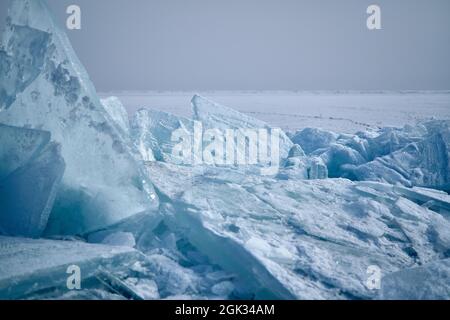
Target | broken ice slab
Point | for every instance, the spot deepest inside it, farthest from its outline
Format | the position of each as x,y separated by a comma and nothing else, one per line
116,285
428,282
174,268
215,116
45,86
27,193
29,267
436,200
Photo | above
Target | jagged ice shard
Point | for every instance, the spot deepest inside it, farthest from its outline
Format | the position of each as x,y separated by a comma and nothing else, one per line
44,86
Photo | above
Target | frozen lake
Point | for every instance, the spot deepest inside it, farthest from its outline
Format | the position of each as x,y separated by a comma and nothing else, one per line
338,111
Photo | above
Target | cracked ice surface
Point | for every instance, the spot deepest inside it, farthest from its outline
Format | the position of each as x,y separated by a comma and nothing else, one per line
315,238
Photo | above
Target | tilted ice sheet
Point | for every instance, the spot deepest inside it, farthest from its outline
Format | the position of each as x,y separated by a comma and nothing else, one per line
117,112
30,176
29,266
46,87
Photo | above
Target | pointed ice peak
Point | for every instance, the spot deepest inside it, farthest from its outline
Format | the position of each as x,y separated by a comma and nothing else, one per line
31,13
45,86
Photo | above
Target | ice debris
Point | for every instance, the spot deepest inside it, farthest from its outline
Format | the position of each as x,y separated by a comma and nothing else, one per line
411,156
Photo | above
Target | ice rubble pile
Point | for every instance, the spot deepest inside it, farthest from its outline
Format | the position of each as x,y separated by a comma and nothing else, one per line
411,156
44,86
219,232
153,131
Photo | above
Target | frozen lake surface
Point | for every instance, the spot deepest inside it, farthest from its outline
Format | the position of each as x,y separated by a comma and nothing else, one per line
344,112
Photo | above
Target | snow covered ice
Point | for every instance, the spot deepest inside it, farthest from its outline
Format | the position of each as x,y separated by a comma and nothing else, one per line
429,282
103,190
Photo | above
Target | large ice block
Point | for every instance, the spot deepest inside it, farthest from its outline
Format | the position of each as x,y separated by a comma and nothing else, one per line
43,85
18,146
28,186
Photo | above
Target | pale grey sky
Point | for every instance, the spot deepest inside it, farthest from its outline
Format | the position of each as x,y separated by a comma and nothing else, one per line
261,44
